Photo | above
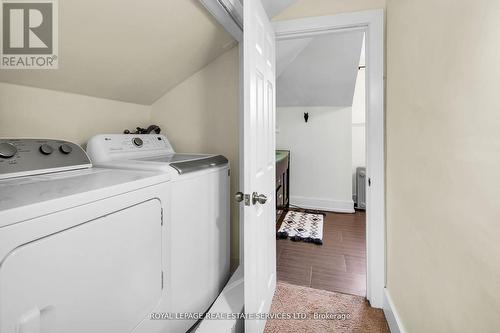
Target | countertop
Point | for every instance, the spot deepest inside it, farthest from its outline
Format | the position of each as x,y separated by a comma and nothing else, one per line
281,154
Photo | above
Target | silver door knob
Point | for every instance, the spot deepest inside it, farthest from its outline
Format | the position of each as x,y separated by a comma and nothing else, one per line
258,198
239,196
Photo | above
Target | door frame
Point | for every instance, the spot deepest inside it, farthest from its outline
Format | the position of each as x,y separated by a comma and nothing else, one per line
372,22
221,14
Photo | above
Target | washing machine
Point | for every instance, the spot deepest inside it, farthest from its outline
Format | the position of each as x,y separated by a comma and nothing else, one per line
81,248
198,227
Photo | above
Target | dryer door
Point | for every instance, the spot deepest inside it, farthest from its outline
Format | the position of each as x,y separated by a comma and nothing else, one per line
100,276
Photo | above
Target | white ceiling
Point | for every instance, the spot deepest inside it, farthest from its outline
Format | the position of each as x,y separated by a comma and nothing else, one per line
288,51
132,51
320,71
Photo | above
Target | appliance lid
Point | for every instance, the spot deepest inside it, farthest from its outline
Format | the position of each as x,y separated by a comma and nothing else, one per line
186,163
199,164
23,198
23,191
171,158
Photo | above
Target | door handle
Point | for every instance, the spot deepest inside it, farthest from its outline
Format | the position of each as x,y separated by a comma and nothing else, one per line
239,196
258,198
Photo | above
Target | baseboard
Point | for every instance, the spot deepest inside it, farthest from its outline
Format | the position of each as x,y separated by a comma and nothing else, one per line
391,314
323,204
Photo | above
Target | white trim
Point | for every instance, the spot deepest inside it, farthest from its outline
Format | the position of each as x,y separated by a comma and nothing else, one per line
224,17
325,204
372,22
241,148
391,314
320,25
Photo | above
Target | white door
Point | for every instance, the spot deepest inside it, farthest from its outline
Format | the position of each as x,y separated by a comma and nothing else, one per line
259,253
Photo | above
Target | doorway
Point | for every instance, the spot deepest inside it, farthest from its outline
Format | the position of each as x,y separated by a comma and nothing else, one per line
321,162
370,23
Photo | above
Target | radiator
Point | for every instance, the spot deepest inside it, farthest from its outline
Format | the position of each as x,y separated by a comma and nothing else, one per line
361,187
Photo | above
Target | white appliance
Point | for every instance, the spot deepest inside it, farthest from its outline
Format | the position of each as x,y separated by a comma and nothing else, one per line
81,248
198,220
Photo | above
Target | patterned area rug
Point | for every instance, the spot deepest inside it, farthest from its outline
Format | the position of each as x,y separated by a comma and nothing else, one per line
323,312
299,226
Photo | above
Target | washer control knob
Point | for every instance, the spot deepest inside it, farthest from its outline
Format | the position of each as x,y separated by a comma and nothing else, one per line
138,142
65,149
46,149
7,150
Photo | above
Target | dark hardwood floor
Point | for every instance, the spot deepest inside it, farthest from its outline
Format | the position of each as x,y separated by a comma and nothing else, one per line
337,265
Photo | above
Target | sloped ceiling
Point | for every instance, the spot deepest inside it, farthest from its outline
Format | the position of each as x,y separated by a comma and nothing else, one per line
288,51
320,71
133,51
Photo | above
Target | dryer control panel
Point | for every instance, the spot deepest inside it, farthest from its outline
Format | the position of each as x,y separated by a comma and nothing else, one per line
27,157
107,147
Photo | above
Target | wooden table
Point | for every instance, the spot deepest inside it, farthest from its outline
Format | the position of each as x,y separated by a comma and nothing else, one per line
282,182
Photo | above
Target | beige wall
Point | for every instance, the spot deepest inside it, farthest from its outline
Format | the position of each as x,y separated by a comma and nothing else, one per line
201,116
198,115
33,112
308,8
443,157
443,151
